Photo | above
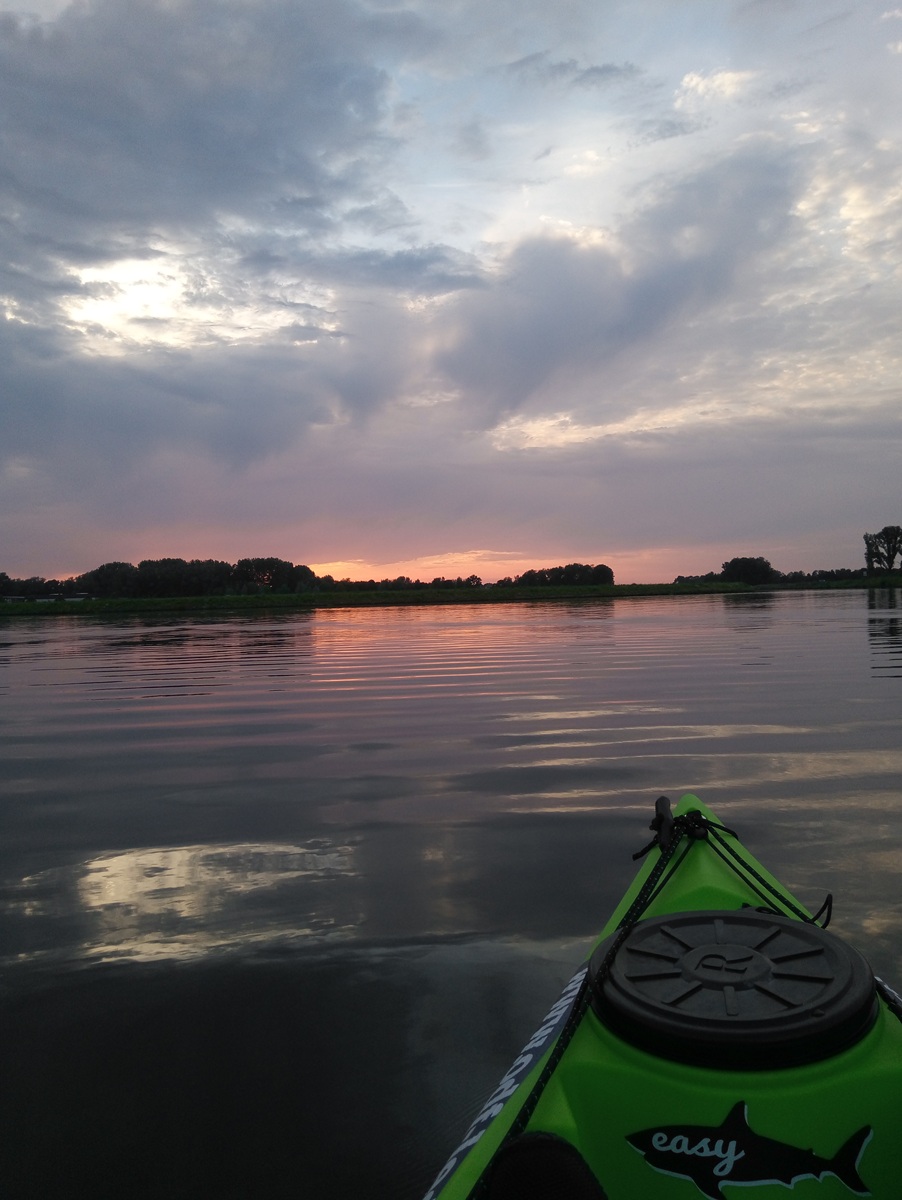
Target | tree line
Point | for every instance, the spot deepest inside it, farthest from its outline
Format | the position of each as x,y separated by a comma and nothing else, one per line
756,572
176,577
165,577
880,553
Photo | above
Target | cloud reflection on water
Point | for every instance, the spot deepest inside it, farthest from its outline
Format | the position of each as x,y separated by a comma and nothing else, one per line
183,901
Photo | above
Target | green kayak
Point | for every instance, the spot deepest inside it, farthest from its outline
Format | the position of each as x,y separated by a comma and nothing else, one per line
717,1039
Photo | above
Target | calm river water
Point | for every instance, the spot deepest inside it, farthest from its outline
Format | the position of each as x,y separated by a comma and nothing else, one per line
283,895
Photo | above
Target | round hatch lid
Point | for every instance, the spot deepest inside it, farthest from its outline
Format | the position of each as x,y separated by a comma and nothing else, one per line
737,989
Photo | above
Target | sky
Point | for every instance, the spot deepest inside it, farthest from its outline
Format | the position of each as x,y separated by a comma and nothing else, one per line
442,287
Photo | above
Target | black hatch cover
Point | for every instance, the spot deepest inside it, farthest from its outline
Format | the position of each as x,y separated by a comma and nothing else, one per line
737,989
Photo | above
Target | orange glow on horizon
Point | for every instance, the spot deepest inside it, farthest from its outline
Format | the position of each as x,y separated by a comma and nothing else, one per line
646,566
656,565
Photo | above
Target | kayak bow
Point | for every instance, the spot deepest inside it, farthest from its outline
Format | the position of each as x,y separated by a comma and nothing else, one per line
717,1037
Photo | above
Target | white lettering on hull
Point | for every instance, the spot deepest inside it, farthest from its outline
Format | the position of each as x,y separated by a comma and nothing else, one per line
728,1152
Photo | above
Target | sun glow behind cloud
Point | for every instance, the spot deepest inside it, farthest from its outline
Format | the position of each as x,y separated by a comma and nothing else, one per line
133,302
172,301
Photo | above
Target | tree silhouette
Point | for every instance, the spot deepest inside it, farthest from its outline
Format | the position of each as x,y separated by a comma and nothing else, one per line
749,570
573,575
110,579
880,549
271,574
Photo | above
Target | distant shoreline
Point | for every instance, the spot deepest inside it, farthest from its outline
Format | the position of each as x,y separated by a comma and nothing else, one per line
488,594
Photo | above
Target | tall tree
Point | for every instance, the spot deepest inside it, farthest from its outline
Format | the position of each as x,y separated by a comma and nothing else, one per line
881,549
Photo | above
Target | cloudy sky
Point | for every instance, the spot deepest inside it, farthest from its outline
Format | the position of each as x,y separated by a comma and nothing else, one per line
449,286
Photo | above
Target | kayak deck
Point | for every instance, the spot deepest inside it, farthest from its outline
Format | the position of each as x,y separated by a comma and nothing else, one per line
784,1070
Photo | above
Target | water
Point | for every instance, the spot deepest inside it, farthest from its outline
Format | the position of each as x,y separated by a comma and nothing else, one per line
282,895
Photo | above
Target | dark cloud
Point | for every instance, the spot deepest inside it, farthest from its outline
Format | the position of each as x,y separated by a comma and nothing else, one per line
299,333
606,73
563,304
76,419
472,141
119,119
541,68
425,270
663,128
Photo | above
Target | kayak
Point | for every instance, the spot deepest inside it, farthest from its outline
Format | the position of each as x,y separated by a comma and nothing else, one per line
717,1038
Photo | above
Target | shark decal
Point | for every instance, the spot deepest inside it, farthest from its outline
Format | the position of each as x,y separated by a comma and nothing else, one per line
734,1153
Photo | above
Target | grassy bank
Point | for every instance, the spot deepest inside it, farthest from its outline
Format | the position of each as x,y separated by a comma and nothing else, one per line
306,601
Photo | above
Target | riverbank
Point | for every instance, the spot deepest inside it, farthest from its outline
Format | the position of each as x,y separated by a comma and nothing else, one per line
385,598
